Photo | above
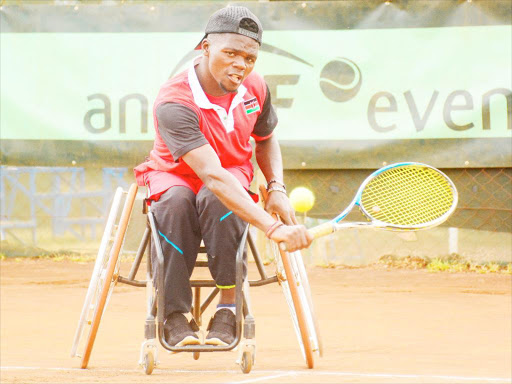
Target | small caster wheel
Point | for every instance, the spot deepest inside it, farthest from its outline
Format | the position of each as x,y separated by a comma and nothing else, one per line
149,363
195,355
246,363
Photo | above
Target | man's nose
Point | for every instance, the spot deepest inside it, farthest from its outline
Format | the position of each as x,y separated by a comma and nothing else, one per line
239,62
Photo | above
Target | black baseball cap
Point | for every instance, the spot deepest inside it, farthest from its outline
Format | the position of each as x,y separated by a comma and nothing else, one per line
234,19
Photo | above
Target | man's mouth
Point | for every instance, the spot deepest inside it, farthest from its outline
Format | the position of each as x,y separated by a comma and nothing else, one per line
235,78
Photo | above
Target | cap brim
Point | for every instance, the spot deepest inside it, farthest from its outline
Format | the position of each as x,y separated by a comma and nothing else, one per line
198,46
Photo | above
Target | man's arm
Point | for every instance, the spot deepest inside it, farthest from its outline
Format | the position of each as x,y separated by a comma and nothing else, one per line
206,164
268,156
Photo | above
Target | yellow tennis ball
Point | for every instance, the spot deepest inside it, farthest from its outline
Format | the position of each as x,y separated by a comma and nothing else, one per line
302,199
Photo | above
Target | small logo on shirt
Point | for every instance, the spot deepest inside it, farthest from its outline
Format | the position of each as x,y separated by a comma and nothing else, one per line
251,106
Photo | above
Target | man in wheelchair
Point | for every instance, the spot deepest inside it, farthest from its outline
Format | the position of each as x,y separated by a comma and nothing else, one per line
199,171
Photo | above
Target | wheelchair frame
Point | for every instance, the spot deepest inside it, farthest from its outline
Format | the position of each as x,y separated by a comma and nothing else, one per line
290,274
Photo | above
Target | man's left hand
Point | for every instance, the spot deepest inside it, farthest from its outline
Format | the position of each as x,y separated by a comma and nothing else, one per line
279,204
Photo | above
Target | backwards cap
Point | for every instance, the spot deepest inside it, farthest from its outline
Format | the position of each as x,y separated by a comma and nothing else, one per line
234,19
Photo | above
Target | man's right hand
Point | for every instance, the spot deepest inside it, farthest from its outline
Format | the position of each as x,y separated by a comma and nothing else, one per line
294,236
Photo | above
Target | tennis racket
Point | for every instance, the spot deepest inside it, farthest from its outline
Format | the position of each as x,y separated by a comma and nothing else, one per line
398,197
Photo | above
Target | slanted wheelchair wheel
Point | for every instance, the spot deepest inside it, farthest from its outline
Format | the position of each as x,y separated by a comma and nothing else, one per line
317,340
297,303
95,283
294,292
106,275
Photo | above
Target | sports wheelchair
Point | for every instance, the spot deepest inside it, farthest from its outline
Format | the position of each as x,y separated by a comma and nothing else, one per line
290,274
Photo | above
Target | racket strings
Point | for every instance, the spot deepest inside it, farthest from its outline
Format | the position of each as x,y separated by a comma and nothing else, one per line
408,196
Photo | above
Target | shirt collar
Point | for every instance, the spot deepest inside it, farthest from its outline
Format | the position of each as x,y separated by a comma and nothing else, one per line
200,97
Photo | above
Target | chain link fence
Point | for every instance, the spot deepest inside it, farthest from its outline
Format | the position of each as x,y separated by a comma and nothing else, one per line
480,228
485,194
56,208
65,208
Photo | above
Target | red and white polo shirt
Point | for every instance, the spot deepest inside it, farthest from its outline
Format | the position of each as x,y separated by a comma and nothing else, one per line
186,118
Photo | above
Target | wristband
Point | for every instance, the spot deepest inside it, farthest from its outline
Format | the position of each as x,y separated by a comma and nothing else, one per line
277,188
277,182
272,228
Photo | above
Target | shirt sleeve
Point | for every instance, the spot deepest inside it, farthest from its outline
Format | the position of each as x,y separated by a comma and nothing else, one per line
267,120
178,126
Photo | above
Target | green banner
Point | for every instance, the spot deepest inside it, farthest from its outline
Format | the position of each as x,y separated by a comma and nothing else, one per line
412,83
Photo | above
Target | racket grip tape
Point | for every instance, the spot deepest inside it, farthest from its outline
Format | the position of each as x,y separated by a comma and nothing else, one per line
318,231
322,230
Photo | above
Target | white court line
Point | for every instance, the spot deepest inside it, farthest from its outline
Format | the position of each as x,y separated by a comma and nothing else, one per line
66,369
255,380
272,374
382,375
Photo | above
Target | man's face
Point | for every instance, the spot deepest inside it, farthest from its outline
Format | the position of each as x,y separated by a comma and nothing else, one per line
231,58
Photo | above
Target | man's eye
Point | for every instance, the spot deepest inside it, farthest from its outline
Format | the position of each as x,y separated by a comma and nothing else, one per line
230,54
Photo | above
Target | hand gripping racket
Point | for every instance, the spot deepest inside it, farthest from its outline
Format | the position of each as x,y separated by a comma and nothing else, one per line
398,197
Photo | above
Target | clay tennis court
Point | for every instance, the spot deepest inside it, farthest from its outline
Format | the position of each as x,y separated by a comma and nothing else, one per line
378,325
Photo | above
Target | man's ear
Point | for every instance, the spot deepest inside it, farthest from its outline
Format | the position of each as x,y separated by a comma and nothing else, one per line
205,46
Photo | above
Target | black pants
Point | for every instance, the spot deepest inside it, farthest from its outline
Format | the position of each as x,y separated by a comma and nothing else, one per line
182,219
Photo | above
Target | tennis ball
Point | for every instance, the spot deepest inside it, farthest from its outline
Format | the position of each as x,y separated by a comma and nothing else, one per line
302,199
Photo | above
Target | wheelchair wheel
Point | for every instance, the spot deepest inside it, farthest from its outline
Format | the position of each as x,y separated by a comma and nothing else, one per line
312,320
297,302
91,297
246,363
149,363
107,273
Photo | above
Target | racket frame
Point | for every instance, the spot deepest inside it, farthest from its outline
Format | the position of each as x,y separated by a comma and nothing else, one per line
374,223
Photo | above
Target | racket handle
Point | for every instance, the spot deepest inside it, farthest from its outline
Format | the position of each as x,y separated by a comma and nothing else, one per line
318,231
322,230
